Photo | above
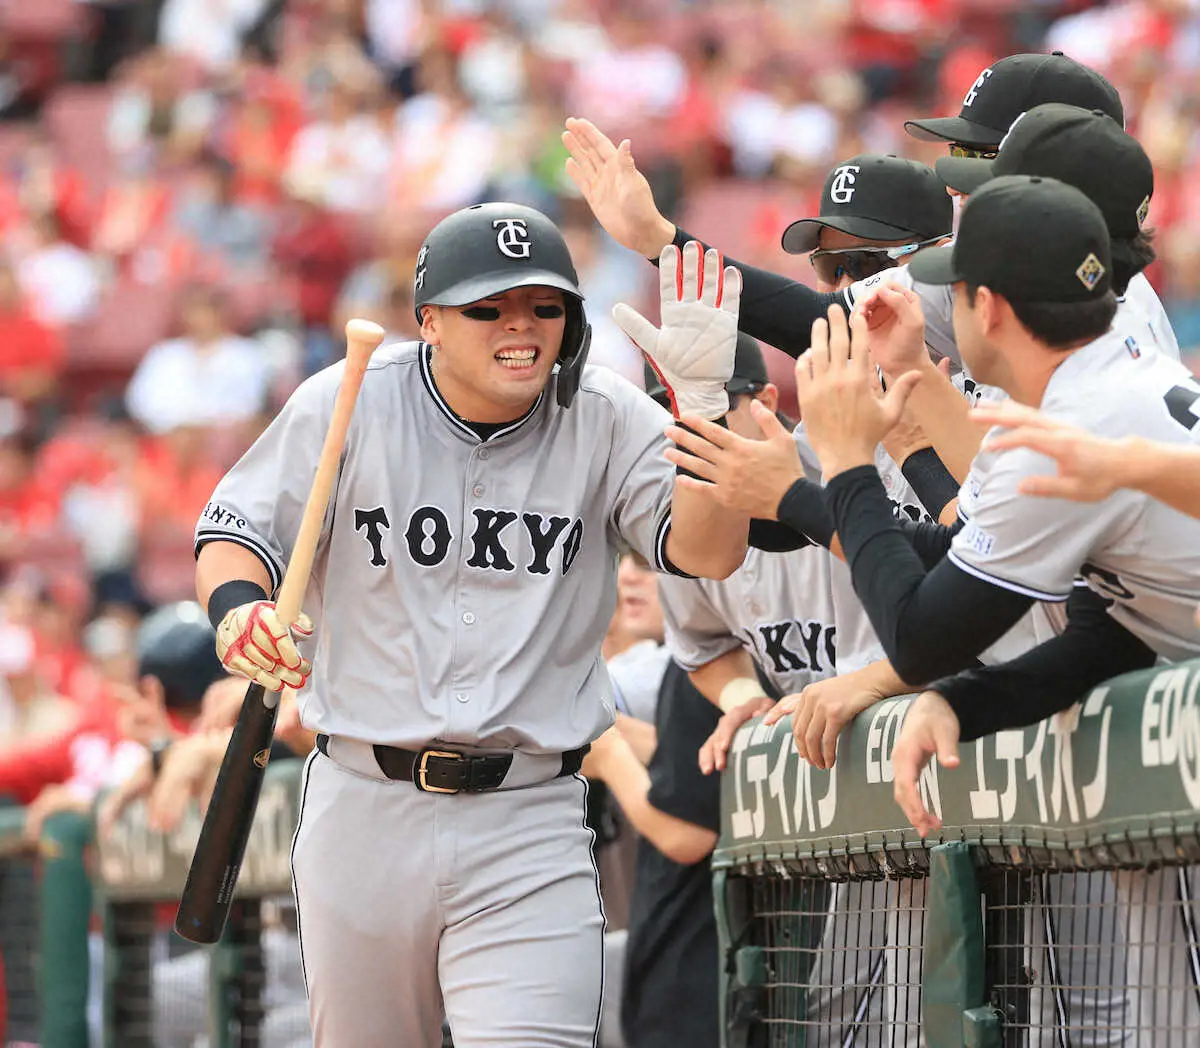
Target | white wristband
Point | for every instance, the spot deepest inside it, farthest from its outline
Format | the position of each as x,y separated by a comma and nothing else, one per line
738,691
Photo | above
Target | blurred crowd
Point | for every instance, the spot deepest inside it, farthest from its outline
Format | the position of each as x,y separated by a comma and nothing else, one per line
195,195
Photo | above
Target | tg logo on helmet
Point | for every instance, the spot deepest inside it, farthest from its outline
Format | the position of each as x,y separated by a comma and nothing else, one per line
513,238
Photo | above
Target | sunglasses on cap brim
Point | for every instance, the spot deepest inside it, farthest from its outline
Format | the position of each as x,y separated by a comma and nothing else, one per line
971,153
858,263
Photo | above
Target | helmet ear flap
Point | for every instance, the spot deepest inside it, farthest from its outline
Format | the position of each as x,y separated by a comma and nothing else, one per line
577,340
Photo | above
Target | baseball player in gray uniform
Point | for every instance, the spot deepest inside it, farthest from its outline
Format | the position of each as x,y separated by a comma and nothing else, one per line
462,588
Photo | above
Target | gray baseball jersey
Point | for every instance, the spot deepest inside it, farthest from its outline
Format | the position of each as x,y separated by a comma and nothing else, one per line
462,588
1131,549
776,606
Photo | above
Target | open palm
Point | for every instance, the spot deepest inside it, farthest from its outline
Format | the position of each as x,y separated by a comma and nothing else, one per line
615,190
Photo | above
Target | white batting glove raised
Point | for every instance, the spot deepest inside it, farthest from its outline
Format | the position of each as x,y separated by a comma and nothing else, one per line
253,643
693,350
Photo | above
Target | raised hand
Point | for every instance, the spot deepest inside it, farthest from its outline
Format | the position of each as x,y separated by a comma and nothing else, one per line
750,476
844,417
693,349
615,190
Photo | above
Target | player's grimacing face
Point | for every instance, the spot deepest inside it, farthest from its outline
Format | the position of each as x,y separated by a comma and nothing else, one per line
496,354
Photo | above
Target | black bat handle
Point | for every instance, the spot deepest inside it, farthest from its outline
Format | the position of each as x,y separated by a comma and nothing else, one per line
212,876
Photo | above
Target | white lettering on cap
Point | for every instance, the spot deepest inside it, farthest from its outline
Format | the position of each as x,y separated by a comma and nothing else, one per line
841,189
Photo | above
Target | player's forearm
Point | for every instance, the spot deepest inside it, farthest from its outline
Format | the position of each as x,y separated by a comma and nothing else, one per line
641,736
706,539
881,679
680,841
944,414
1169,473
220,562
714,677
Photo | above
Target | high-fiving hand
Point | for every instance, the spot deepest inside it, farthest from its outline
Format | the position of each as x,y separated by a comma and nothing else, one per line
693,350
844,416
615,190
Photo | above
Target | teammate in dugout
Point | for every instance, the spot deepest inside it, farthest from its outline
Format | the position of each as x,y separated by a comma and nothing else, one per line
1031,273
464,582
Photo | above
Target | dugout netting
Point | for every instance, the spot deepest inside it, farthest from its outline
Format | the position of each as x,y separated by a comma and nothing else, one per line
20,1013
1069,957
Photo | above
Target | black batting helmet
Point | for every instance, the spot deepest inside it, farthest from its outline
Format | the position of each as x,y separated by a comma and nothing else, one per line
488,249
177,645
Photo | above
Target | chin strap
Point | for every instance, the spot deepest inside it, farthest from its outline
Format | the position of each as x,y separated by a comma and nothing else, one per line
570,372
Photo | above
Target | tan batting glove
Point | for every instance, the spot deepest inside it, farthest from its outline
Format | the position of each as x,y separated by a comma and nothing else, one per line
253,643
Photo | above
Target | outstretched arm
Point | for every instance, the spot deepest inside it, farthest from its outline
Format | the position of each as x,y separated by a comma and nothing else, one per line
775,309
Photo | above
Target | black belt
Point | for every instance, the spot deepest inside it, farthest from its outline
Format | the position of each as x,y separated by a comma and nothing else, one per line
434,770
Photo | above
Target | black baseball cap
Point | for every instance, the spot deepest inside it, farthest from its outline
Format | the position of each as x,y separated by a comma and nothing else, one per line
749,371
1013,86
1031,239
877,197
1085,148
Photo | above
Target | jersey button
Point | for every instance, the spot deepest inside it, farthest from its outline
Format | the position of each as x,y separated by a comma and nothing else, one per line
477,490
462,696
483,454
469,618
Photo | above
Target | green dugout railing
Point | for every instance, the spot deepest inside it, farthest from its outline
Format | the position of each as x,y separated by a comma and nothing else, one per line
126,883
1043,827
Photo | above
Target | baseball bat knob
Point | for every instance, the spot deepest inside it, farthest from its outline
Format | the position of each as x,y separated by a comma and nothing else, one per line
359,330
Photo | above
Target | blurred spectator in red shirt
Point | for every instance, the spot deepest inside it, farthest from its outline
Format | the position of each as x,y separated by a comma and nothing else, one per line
27,504
176,479
133,209
37,182
312,251
257,136
32,355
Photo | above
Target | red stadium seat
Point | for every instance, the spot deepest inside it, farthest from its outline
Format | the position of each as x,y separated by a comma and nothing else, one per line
77,118
132,317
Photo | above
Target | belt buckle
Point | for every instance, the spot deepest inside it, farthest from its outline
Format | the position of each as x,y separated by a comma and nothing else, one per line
422,782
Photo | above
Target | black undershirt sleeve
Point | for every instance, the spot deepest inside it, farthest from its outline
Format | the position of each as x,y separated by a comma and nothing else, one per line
1092,649
774,309
804,519
930,541
773,536
933,483
804,508
930,623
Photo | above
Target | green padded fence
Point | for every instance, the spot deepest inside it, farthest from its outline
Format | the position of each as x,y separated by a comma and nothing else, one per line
56,891
1113,784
